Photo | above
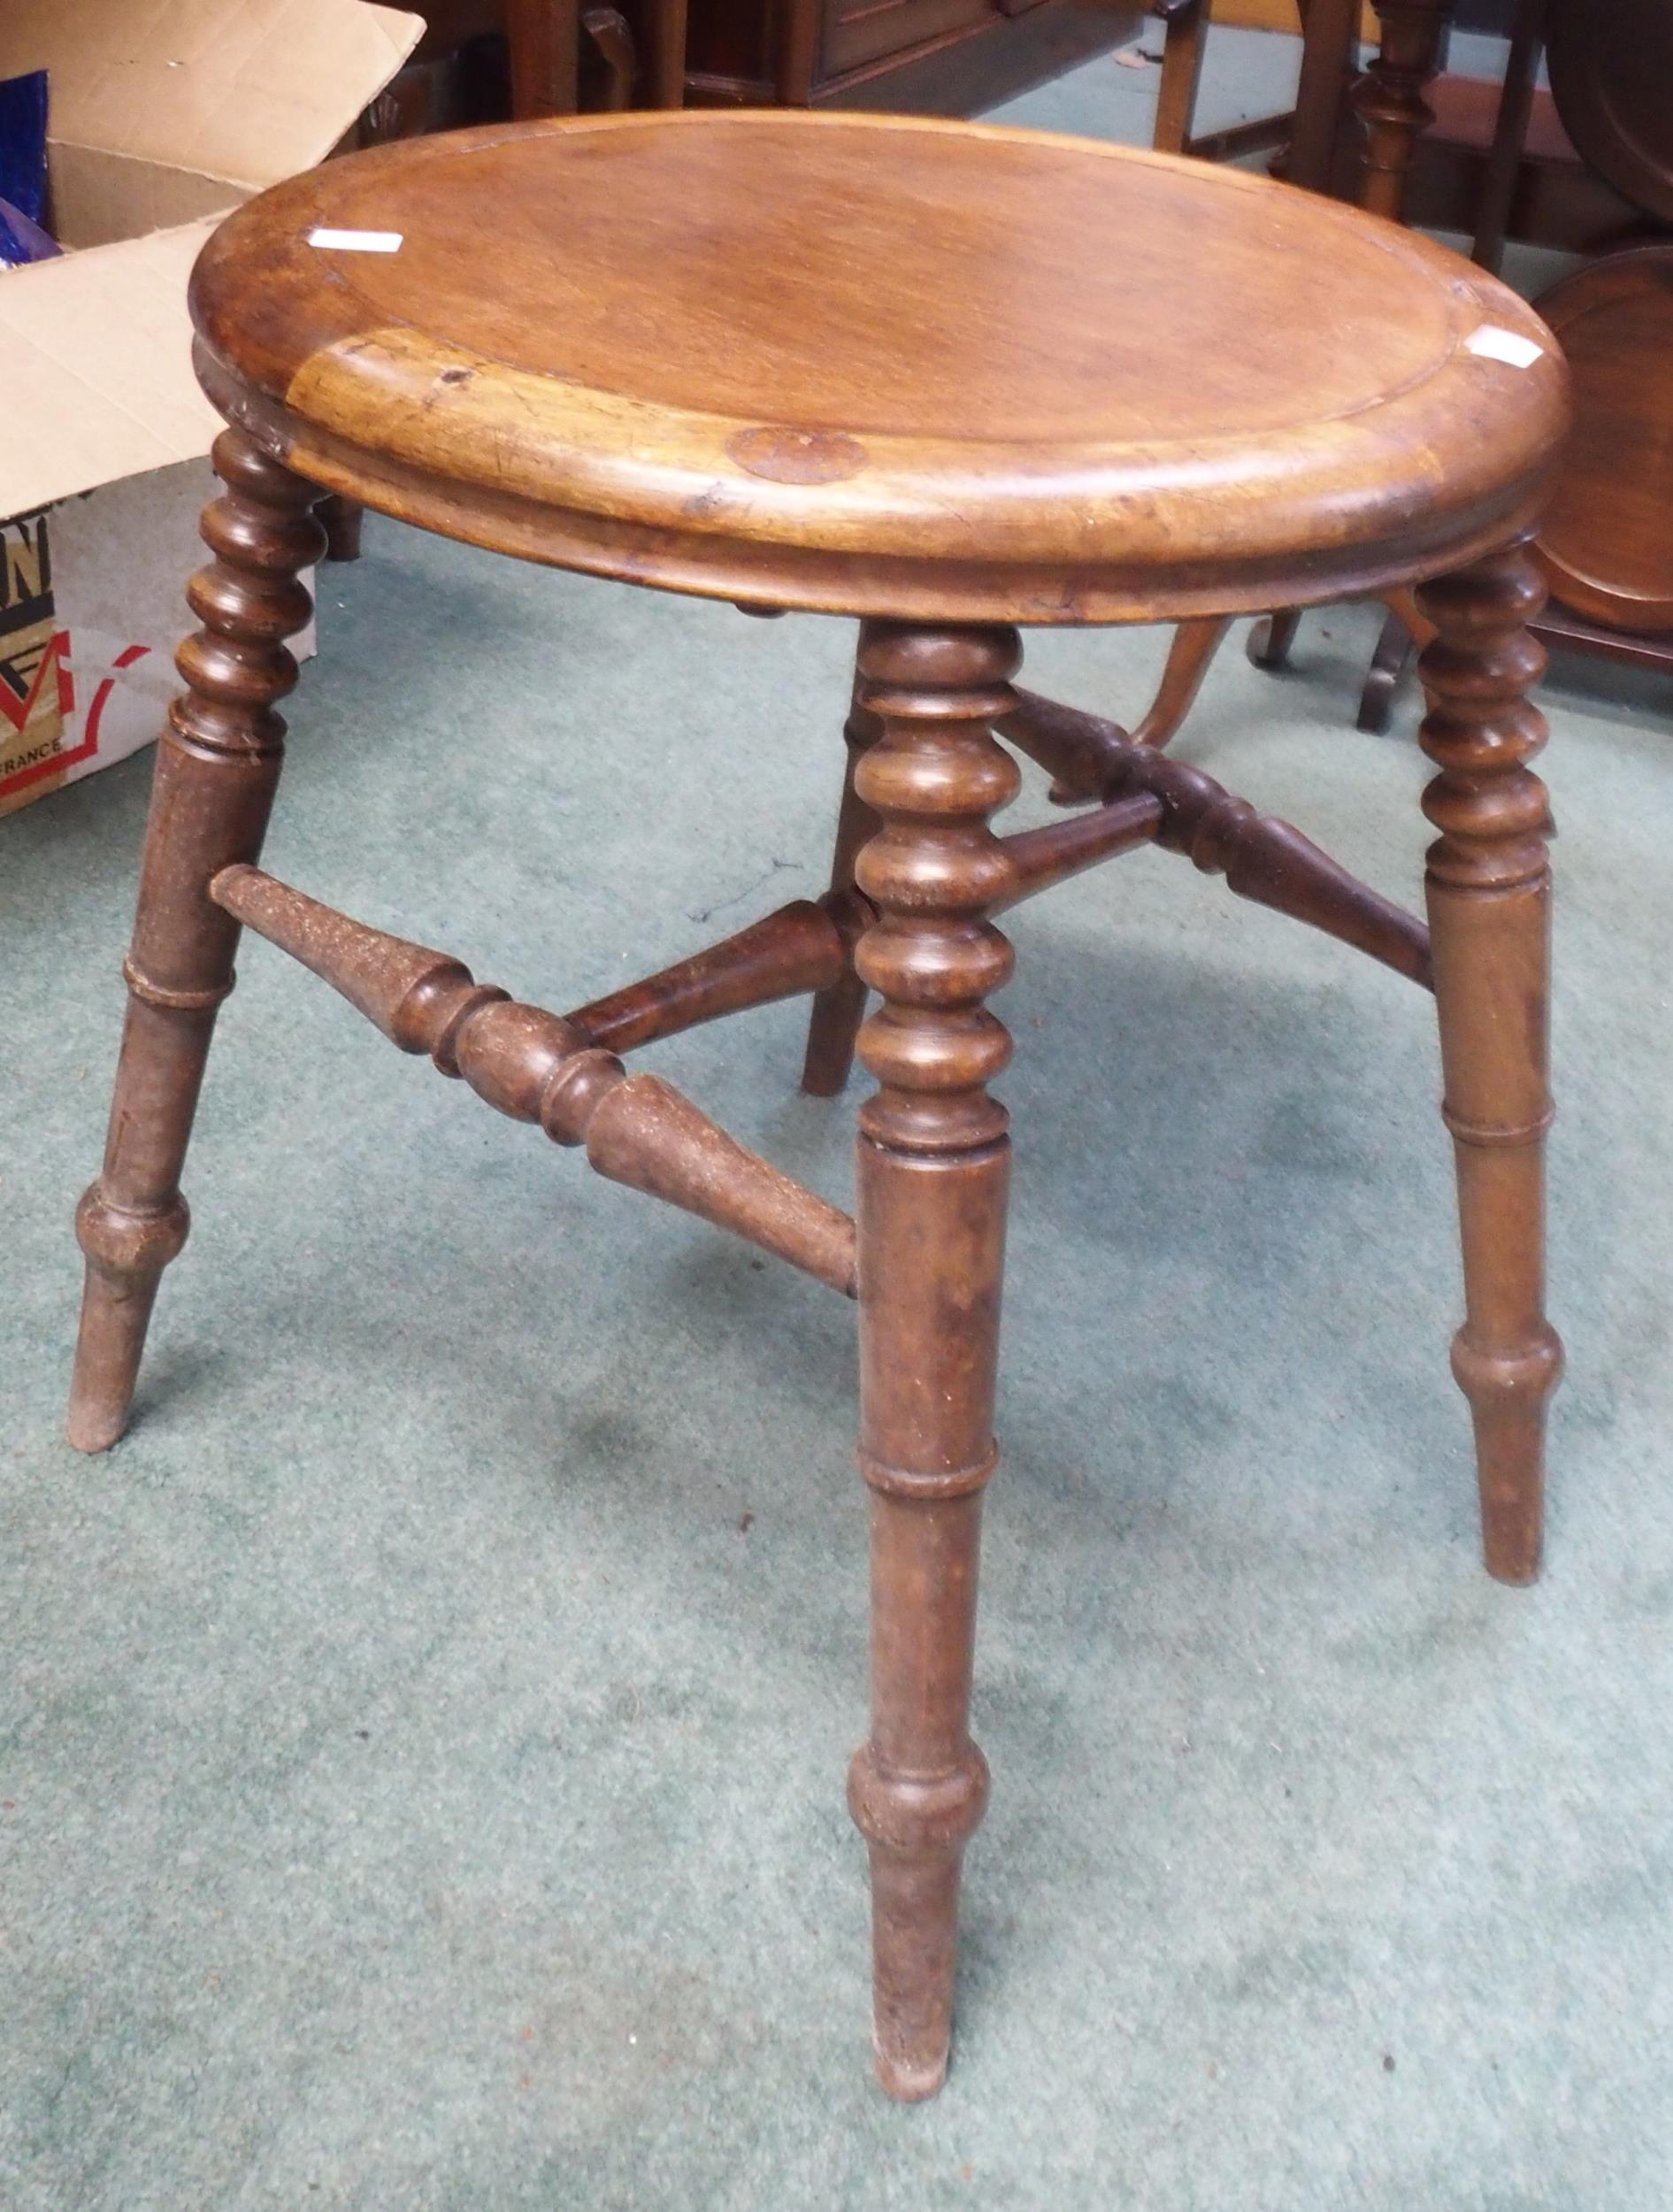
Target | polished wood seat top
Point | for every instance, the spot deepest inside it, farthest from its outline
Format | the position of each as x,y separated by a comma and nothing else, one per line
882,365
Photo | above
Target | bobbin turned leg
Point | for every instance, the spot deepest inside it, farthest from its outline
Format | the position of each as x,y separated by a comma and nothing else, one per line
932,1174
216,767
834,1022
1489,890
1389,98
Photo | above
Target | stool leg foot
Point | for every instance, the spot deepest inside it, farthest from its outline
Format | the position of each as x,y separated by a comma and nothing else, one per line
834,1022
1489,896
216,767
933,1161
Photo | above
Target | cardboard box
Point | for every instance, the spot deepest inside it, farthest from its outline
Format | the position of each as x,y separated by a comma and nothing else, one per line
162,114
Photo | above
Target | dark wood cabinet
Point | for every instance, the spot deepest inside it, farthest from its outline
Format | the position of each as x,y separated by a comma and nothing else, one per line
931,56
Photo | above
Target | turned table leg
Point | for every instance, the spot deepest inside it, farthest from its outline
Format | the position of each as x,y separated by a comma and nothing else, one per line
932,1165
1489,891
835,1021
216,767
1389,98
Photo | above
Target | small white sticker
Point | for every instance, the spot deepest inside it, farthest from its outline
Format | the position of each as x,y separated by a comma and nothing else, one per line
1493,342
357,241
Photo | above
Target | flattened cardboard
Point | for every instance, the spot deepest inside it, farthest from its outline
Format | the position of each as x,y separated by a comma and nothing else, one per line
162,114
246,90
96,368
159,110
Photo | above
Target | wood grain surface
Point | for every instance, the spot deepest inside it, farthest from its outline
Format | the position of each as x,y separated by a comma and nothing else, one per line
880,364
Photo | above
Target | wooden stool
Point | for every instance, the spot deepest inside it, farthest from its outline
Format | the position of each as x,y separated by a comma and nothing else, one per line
949,379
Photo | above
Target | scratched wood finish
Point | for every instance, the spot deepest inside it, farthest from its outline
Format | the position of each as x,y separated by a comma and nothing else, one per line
887,369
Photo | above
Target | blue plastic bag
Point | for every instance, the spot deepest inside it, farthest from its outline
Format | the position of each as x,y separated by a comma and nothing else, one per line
22,241
23,169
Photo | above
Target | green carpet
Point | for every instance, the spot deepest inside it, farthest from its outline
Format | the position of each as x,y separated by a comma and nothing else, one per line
423,1738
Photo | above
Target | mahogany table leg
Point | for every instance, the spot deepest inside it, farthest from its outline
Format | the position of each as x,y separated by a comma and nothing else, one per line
217,768
932,1165
1489,891
1389,97
835,1021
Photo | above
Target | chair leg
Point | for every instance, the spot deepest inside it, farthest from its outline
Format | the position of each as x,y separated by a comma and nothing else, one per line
1330,37
1389,98
1190,656
1183,38
1271,638
217,768
933,1166
1489,891
835,1021
1384,676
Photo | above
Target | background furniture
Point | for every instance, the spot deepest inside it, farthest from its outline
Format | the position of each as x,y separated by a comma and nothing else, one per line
1306,136
1106,402
1606,544
925,57
1500,162
1453,158
480,59
527,58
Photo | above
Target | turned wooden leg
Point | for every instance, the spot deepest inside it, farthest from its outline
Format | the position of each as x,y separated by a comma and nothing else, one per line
930,1185
1384,676
1389,98
1271,638
834,1022
1330,37
1182,53
1489,888
216,767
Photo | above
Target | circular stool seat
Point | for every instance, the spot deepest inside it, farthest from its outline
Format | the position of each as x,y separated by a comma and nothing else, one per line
881,364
